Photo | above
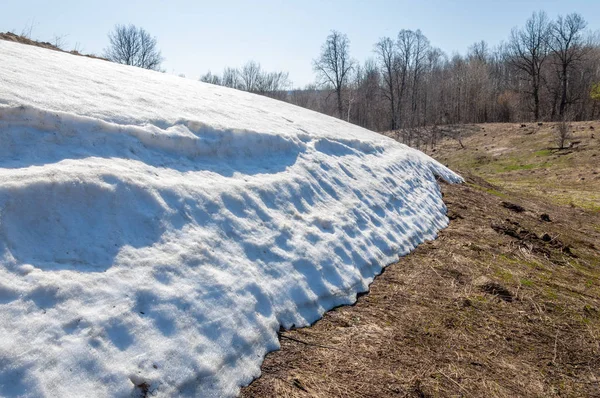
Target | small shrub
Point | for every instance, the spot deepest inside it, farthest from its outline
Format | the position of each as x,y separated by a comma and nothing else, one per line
563,133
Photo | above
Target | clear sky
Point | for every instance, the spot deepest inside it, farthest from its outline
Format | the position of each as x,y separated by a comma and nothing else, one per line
197,36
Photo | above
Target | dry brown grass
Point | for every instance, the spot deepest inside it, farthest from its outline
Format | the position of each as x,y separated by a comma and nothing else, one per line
9,36
502,304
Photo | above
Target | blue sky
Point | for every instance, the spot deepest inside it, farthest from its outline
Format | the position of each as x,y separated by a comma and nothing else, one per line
197,36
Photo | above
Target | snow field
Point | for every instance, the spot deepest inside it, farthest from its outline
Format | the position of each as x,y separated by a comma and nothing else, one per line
156,232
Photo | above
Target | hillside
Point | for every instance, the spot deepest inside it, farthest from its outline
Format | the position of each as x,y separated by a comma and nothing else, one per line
156,232
527,160
505,303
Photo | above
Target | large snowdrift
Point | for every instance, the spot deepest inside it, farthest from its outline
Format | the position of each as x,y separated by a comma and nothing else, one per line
155,232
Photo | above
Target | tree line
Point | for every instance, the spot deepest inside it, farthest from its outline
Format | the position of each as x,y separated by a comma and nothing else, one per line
251,77
546,70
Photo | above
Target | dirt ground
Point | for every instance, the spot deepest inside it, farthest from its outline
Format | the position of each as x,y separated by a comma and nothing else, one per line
505,303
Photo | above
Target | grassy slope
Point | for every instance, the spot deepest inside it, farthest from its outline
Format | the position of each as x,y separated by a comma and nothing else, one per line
488,309
526,160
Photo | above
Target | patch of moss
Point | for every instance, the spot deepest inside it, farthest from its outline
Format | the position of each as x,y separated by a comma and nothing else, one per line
526,282
550,293
590,270
543,152
574,198
507,259
536,265
515,167
488,190
589,283
505,275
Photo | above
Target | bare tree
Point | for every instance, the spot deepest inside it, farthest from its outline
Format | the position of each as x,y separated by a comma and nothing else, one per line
563,133
134,46
231,78
527,51
405,46
308,97
59,41
432,92
210,78
412,47
387,57
479,51
272,84
566,43
418,63
250,76
334,65
364,102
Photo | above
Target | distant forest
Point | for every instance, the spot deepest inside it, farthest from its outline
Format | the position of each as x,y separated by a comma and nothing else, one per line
547,70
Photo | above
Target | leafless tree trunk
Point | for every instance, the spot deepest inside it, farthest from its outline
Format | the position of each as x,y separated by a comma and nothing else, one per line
405,46
421,48
334,65
527,51
563,133
566,43
388,58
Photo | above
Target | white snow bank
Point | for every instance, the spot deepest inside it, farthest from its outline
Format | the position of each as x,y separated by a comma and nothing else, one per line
155,232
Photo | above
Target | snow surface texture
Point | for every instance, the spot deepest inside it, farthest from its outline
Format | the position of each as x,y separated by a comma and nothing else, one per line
155,232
